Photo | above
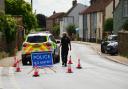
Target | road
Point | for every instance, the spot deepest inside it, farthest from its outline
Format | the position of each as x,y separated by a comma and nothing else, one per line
96,73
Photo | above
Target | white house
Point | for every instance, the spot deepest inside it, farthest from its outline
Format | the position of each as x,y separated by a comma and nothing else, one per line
72,16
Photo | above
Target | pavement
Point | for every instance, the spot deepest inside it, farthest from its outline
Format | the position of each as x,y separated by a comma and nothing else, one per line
116,58
9,61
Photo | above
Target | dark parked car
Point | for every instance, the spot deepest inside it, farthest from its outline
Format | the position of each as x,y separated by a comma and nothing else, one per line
110,45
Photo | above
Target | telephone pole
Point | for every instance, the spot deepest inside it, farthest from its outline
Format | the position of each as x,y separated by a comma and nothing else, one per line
32,4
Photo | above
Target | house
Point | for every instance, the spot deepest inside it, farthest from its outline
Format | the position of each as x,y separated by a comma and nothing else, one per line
2,7
120,15
53,20
97,13
72,16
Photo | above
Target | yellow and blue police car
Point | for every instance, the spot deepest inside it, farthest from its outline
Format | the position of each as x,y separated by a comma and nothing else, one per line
39,42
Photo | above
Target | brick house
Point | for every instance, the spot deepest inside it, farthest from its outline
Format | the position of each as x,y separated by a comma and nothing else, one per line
97,13
53,20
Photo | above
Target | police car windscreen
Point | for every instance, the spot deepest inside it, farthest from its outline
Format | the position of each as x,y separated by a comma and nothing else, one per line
36,39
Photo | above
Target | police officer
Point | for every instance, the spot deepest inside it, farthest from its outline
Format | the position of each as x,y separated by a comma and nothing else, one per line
65,44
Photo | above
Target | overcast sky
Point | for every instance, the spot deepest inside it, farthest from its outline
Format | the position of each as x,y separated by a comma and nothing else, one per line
47,7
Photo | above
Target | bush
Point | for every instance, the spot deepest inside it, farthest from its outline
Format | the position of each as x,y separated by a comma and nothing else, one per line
108,25
125,25
3,55
56,30
71,30
8,28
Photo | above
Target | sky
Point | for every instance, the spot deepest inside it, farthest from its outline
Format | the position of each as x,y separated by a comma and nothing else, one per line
47,7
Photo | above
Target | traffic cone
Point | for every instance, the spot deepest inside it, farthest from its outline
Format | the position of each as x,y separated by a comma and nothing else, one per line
69,70
18,67
70,60
78,65
36,72
15,61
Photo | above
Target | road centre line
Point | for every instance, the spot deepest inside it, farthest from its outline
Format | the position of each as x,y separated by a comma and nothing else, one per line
12,78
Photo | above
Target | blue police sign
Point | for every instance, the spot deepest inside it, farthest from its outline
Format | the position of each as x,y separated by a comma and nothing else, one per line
42,59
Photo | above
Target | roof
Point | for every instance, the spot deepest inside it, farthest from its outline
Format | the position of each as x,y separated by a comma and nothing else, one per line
98,6
56,15
73,8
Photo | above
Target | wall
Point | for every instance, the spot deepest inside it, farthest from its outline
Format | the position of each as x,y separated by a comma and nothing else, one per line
88,26
2,42
109,11
99,25
118,18
2,6
123,43
49,24
81,26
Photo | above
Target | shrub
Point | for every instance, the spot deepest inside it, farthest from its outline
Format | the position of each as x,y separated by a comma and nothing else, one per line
71,30
125,25
108,25
56,30
8,28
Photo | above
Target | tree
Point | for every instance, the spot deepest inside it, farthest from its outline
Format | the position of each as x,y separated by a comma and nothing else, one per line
56,30
41,20
20,7
125,25
108,25
8,28
71,30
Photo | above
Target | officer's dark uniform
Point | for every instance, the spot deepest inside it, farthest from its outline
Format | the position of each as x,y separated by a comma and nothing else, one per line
65,42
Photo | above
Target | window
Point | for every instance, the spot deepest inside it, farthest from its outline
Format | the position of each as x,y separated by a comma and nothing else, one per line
52,38
125,8
36,39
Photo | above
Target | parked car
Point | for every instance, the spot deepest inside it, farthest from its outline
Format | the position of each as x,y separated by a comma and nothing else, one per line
110,45
39,42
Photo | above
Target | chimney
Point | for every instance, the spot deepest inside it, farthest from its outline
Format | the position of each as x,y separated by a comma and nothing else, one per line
74,2
54,12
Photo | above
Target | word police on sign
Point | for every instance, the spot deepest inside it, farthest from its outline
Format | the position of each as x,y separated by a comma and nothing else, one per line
42,59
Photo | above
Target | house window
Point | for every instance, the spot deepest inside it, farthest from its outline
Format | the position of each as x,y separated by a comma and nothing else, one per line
125,8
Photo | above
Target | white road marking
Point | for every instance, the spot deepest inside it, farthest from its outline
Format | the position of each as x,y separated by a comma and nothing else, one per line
1,84
12,78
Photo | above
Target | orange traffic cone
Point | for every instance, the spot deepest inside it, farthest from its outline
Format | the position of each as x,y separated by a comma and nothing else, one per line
18,67
15,61
36,72
70,60
78,65
69,70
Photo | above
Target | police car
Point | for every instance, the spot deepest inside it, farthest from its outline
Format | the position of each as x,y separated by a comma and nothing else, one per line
39,42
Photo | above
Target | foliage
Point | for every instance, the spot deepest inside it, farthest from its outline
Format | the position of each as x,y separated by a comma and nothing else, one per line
20,7
41,20
2,19
125,25
71,29
108,25
56,30
8,28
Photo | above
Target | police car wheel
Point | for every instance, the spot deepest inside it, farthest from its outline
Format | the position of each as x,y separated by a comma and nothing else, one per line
24,62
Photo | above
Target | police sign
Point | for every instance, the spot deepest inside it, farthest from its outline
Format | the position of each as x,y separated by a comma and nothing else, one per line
42,59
